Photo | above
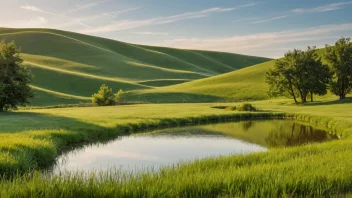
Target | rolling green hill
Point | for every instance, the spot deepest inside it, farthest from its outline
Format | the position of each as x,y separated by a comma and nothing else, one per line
69,67
244,84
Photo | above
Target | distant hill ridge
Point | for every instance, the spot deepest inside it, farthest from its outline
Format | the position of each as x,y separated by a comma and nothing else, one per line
69,67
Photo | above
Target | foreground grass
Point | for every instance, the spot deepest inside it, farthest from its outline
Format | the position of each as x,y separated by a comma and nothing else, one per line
311,170
315,170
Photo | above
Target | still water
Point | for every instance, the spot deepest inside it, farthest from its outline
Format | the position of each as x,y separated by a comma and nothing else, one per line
170,146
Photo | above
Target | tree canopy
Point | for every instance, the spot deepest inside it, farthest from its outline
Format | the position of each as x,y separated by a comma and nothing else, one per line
339,58
14,78
299,74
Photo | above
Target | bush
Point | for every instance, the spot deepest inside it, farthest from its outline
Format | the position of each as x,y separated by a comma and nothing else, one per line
104,97
120,96
242,107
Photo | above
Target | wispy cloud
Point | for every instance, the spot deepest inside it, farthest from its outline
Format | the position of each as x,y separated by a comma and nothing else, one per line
152,33
271,19
116,13
325,8
246,19
261,41
35,9
129,24
85,6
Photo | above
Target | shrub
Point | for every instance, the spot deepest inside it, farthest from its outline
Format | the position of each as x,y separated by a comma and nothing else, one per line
104,97
120,96
242,107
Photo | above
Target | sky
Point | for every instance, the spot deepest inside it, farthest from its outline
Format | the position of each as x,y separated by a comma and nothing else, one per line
267,28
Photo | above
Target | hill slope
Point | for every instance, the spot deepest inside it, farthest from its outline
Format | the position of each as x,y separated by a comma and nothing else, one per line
69,67
245,84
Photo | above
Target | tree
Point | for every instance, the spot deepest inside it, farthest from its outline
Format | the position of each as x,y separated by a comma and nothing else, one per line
120,96
298,74
283,78
319,75
104,97
14,78
339,58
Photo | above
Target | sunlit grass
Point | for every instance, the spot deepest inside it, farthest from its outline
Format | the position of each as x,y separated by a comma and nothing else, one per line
311,170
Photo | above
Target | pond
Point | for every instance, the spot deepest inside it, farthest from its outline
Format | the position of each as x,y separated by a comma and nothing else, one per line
169,146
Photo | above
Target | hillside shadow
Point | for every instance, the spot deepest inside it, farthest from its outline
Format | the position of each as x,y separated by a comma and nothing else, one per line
348,100
25,121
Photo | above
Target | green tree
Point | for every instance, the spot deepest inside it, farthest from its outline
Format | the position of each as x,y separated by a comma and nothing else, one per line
339,58
298,74
104,97
318,74
14,78
120,96
282,79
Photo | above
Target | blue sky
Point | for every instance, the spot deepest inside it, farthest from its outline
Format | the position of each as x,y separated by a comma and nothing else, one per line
263,28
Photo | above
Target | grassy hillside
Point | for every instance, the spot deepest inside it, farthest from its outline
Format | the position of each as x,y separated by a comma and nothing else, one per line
244,84
240,85
68,64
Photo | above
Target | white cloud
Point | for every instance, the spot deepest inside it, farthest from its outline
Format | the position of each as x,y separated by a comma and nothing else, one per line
151,33
31,8
246,19
35,9
325,8
126,10
129,24
85,6
271,19
248,44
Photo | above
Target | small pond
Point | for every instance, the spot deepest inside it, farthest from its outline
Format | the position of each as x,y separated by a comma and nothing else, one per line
170,146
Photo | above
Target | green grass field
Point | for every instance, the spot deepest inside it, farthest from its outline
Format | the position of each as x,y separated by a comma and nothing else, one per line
68,64
312,170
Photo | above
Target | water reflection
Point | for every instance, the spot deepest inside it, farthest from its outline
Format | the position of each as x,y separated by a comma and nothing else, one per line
170,146
296,134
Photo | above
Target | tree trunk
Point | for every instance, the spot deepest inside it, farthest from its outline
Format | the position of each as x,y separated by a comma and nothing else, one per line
311,97
294,97
342,91
303,97
2,108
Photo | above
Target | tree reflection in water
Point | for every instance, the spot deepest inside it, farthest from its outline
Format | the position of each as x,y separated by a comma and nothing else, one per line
299,134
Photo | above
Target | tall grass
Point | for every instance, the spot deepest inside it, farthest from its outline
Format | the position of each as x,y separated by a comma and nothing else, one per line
308,171
313,170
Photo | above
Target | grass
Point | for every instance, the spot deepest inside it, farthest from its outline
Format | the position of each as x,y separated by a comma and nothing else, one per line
241,85
311,170
74,64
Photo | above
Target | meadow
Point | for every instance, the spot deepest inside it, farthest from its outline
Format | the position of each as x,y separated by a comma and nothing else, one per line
310,170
